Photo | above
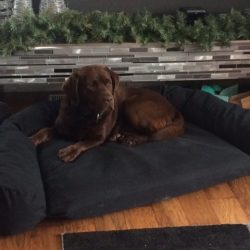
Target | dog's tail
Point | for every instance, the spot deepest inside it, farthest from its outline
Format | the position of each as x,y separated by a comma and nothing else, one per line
176,128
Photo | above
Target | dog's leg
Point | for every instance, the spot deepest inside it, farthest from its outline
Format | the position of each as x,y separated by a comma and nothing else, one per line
153,121
43,135
71,152
174,129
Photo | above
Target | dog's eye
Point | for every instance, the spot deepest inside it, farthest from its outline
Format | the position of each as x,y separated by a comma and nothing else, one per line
92,85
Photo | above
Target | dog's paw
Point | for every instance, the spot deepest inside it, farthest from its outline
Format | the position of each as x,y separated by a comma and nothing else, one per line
126,139
42,136
114,137
130,139
38,139
69,153
35,140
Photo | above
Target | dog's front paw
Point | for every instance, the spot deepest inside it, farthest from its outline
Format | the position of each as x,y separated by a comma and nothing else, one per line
41,136
36,140
69,153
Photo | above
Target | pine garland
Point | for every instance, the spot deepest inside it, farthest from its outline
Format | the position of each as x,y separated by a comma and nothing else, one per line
142,27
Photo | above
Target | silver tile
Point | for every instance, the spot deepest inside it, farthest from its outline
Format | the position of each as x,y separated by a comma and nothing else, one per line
174,67
52,47
202,75
203,58
35,71
152,68
126,78
9,60
119,50
237,75
166,77
232,62
223,48
80,51
173,58
22,80
113,60
219,75
244,70
197,68
61,61
157,50
137,69
242,57
144,78
240,42
91,60
192,47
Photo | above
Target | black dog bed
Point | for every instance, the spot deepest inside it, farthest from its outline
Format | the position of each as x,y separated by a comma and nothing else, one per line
4,111
35,184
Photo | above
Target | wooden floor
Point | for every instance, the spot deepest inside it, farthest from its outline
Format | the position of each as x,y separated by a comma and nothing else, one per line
225,203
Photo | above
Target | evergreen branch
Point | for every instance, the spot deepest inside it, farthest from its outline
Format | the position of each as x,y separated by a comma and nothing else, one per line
142,27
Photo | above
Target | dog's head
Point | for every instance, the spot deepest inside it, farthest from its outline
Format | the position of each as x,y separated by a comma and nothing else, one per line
91,90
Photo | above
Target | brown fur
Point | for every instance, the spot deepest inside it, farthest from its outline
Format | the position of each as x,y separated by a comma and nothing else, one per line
95,108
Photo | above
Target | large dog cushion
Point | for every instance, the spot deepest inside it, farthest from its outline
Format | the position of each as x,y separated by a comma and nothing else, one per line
112,176
22,199
226,120
4,111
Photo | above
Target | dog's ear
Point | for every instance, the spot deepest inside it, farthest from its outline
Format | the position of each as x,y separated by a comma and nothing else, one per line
71,88
115,79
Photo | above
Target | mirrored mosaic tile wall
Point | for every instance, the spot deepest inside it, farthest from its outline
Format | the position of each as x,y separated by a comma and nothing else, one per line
48,66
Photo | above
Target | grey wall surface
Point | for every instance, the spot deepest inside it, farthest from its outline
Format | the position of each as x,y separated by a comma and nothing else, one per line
156,6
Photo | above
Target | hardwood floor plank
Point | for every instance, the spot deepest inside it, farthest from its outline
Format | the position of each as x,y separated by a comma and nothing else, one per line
170,213
104,223
119,220
45,236
221,191
9,243
197,209
241,187
84,225
142,217
245,204
229,211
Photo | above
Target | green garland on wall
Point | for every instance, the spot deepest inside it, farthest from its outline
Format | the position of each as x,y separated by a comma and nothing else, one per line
75,27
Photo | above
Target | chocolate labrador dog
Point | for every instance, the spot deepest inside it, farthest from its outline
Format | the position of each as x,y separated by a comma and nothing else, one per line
96,109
